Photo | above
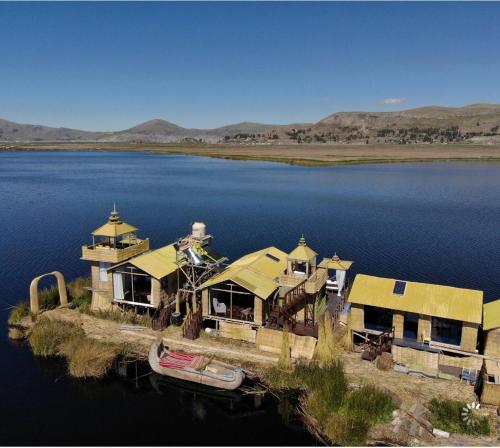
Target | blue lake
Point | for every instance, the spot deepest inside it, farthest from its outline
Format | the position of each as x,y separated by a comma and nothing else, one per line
436,223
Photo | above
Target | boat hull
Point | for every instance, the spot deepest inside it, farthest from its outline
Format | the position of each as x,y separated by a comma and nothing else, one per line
204,377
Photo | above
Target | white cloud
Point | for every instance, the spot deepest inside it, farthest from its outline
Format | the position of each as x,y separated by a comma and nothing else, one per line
391,101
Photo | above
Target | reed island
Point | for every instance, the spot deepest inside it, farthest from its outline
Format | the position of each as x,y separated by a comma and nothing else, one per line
374,360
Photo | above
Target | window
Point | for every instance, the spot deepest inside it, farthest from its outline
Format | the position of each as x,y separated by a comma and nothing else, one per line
399,288
447,331
299,267
410,329
379,319
103,273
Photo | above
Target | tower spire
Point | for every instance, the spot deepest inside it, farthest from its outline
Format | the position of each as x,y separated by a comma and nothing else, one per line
302,241
114,217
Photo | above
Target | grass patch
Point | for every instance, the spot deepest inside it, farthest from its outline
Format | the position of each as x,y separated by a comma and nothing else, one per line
343,415
371,404
446,415
346,430
86,357
89,358
79,294
48,298
16,333
20,311
47,336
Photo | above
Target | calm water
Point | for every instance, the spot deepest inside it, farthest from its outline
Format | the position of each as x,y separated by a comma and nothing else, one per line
425,222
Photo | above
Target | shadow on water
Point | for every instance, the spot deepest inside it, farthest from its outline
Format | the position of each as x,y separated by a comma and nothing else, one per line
134,406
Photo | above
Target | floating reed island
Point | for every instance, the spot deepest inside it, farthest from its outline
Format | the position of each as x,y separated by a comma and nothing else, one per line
368,353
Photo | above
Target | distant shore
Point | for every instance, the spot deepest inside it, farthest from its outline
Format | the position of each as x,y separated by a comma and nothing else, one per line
305,155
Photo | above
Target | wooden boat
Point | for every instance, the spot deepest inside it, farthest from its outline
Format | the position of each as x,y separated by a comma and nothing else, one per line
194,368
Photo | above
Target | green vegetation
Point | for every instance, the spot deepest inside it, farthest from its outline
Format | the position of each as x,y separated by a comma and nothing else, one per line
446,415
371,404
47,336
79,295
48,298
17,313
344,415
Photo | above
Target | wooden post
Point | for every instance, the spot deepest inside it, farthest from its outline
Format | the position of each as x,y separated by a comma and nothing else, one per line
177,303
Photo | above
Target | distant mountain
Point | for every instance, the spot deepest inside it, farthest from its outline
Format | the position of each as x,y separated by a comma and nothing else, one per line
474,123
10,131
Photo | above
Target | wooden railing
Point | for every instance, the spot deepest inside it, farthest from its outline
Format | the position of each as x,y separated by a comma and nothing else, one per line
290,280
316,281
110,255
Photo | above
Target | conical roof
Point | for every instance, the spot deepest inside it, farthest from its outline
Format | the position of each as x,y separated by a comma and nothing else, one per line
114,227
302,252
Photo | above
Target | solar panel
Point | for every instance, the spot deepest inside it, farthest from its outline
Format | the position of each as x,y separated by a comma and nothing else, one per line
399,287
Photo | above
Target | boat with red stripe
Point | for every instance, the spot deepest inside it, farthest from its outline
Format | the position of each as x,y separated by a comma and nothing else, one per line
195,368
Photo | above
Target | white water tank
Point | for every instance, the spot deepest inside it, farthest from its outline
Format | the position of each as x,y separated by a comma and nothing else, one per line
199,230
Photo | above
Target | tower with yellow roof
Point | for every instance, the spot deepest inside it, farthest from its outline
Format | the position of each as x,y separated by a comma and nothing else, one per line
114,242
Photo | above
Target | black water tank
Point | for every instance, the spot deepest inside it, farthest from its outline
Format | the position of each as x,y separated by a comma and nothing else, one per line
176,319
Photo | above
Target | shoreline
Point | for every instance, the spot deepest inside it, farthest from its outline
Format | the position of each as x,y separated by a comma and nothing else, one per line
407,389
298,155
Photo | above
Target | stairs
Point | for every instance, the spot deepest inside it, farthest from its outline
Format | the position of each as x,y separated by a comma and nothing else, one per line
286,314
161,317
191,326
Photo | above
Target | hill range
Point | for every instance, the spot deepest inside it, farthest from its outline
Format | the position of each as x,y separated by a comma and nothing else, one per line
476,123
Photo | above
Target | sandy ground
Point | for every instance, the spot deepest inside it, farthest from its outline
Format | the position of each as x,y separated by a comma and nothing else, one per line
297,154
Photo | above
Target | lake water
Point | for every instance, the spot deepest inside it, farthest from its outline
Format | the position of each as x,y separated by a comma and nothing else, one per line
435,223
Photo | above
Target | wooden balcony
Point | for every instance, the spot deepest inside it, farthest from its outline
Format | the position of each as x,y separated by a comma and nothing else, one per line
291,280
316,281
108,254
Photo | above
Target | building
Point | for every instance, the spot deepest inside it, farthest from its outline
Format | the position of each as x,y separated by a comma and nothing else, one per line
128,275
491,369
147,280
434,328
305,285
239,298
113,243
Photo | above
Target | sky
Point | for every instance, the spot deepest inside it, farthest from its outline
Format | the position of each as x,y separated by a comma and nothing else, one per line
110,66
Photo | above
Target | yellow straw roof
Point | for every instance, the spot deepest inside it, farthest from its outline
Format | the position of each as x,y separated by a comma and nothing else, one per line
158,263
114,227
257,272
302,252
491,315
422,298
336,263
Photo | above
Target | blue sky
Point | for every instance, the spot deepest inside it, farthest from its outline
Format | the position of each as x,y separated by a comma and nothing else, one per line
109,66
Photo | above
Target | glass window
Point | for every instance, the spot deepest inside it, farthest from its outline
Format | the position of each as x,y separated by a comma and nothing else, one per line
410,329
379,319
447,331
103,273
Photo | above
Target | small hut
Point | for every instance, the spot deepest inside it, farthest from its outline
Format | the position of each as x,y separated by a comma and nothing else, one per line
236,300
434,328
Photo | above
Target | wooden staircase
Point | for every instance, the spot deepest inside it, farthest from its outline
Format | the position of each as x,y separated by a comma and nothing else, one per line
161,317
285,314
192,324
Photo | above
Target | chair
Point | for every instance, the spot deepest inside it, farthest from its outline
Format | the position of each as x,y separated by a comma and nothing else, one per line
219,307
247,313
